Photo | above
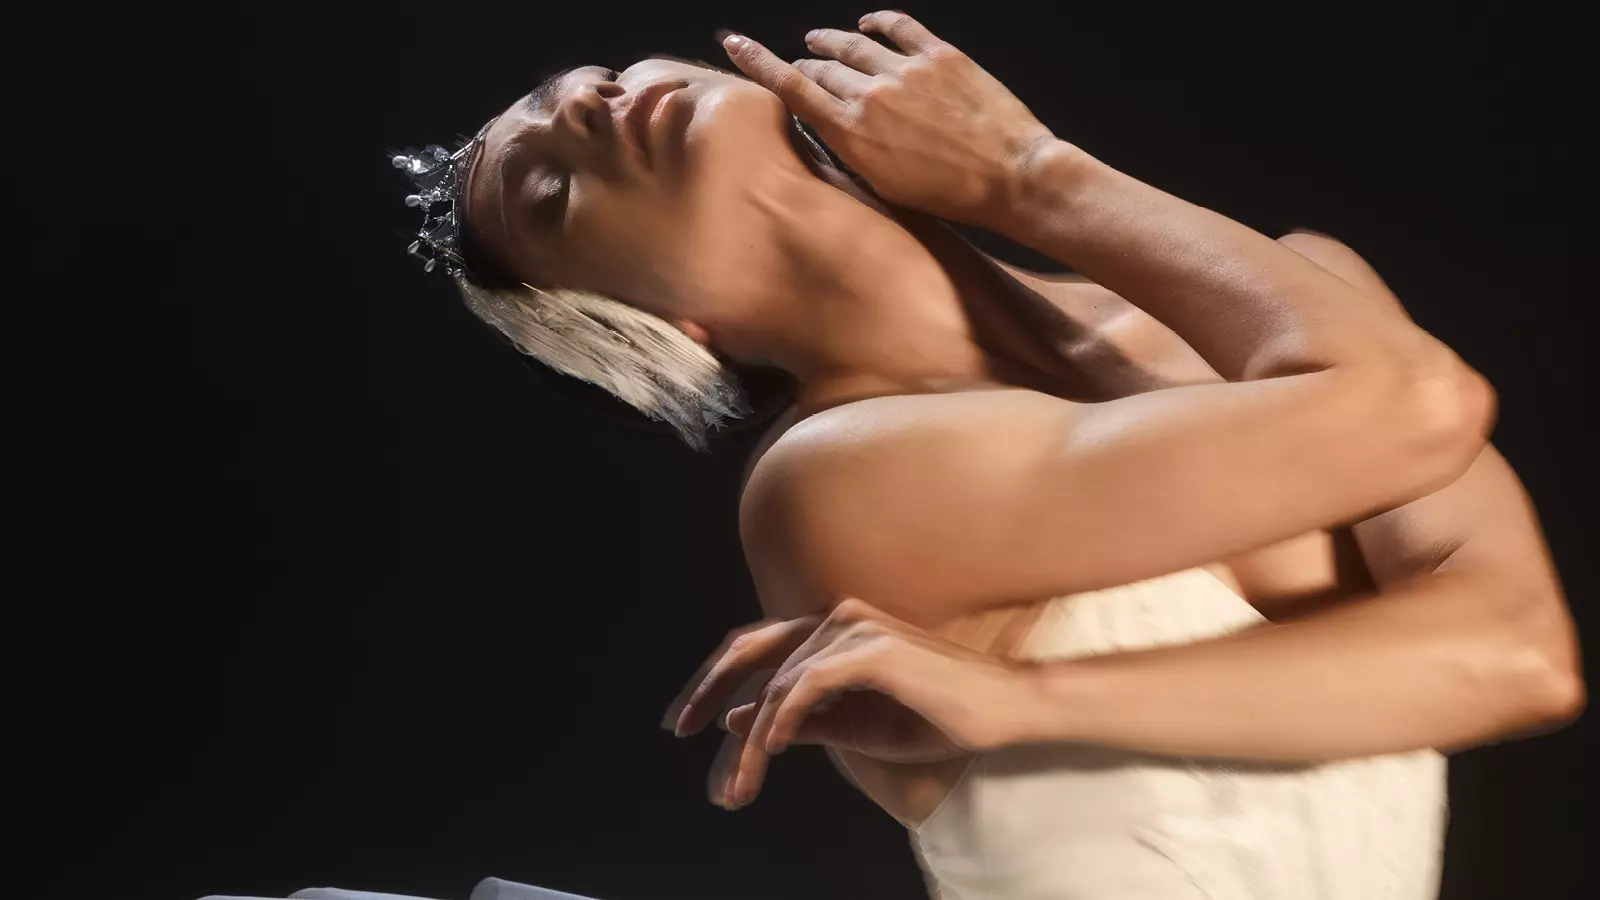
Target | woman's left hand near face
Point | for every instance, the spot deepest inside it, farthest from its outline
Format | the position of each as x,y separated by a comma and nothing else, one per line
922,123
857,680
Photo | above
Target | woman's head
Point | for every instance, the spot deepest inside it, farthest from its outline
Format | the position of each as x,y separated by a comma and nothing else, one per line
618,224
630,184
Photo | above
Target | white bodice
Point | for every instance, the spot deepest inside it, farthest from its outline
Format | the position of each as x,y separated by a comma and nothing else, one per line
1068,822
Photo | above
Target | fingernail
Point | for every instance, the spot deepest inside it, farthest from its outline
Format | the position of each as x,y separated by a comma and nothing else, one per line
812,35
733,42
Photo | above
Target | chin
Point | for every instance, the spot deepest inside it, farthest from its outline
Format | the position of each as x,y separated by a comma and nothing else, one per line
739,119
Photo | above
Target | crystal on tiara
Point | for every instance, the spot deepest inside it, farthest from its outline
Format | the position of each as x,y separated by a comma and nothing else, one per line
439,176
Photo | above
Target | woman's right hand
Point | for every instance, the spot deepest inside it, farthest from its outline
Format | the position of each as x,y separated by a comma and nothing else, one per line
859,680
927,128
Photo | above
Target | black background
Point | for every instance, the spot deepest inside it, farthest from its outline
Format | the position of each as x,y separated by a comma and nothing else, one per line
317,583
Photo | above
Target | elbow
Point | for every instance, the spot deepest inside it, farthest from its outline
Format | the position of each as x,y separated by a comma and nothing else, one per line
1544,700
1568,704
1555,697
1439,412
1538,660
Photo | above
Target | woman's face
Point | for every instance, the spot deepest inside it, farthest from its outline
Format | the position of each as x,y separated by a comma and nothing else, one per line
636,185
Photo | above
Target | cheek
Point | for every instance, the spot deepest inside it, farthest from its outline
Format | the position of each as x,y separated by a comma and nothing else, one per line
623,242
734,146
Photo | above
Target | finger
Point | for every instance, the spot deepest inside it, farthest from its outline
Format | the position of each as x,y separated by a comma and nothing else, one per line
675,709
750,773
733,665
837,79
740,719
907,33
812,688
753,761
849,671
855,50
747,699
804,98
719,782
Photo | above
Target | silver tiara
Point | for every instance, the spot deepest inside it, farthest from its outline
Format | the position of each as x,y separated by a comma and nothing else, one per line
440,177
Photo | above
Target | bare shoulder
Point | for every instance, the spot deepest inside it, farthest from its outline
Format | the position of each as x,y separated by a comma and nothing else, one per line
825,509
898,437
898,433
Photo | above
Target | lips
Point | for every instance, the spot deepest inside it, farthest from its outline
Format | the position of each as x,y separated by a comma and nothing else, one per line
639,113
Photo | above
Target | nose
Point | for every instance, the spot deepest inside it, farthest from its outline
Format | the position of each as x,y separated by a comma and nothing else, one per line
585,111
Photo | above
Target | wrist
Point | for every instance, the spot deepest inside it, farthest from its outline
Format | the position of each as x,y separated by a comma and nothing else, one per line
1056,700
1041,184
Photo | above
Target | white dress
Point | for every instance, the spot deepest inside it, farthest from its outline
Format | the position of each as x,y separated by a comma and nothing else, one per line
1069,822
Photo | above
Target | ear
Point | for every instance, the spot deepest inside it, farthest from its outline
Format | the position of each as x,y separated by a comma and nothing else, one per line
694,330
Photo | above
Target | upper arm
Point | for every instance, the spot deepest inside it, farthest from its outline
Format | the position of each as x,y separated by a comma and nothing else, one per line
1483,522
1128,351
934,505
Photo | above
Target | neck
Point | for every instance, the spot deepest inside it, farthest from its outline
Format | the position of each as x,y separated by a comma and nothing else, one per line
866,304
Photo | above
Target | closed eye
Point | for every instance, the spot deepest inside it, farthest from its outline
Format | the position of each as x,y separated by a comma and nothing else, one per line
549,202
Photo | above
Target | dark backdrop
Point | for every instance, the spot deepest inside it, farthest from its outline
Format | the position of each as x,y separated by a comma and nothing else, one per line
317,583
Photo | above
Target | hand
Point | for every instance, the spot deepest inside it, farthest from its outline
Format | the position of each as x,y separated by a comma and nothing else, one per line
925,127
858,680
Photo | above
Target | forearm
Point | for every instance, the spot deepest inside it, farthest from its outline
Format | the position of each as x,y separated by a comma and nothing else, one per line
1437,664
1249,305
